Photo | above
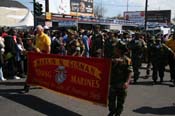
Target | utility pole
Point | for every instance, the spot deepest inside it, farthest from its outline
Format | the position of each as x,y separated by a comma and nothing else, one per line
46,5
146,12
34,15
77,10
127,5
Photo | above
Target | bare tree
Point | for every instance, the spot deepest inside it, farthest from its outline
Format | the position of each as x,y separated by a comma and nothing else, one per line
99,11
119,16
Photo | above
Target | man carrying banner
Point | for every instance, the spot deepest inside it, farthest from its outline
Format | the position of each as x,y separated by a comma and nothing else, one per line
120,79
42,45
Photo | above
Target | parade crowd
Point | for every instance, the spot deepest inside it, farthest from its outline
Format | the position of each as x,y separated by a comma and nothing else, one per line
127,52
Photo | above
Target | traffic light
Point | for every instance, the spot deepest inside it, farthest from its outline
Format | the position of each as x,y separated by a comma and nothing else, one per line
38,9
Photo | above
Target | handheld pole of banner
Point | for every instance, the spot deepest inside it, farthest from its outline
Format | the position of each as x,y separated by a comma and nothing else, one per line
26,88
46,5
77,18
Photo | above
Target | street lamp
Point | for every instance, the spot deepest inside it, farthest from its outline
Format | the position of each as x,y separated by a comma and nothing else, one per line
101,8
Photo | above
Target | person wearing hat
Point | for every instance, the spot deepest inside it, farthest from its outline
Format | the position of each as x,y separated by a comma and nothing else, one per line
150,43
159,59
137,46
29,47
171,44
29,43
121,72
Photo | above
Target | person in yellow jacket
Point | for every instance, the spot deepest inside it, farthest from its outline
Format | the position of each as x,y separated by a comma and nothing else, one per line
43,42
171,44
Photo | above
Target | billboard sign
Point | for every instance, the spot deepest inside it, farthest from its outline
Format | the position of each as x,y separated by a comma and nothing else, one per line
159,16
81,7
136,16
72,7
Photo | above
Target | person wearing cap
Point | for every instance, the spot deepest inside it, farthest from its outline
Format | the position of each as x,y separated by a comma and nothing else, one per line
29,47
171,44
72,44
47,31
137,47
150,42
43,42
121,72
159,59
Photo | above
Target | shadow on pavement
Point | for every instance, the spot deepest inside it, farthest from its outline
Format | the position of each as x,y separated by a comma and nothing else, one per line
150,83
37,103
12,83
146,83
169,110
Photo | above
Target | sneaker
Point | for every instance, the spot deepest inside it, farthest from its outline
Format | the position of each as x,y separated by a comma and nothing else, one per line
16,77
111,113
117,115
173,84
3,79
26,88
155,82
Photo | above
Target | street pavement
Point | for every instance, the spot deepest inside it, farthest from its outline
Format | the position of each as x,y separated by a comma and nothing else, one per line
144,99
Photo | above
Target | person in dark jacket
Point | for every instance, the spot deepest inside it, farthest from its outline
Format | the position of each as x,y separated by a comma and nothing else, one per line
120,79
159,58
137,46
10,54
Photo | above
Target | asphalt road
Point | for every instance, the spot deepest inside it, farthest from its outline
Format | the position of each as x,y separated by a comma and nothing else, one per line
144,99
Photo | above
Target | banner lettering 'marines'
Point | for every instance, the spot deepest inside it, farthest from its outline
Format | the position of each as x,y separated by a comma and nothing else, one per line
75,76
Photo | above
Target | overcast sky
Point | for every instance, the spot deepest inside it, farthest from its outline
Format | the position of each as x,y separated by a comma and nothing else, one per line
115,7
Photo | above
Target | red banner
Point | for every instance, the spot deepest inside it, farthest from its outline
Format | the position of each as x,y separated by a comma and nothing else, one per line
85,78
